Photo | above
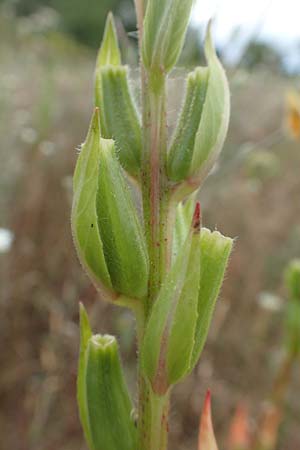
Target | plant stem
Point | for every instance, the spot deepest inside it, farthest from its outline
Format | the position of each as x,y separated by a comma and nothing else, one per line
153,410
158,217
155,191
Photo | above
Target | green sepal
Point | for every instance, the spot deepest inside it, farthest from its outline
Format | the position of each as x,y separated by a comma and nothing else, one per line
84,219
203,124
165,26
184,214
109,52
124,243
169,336
104,402
215,252
214,121
183,142
119,117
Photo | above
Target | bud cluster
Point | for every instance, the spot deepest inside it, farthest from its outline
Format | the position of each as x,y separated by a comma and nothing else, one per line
114,239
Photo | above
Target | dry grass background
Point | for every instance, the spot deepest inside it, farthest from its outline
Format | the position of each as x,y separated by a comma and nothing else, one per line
45,104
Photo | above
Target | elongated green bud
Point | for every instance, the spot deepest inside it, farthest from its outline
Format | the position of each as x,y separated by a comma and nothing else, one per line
203,124
106,228
120,228
215,252
119,117
165,25
84,219
103,399
169,336
184,214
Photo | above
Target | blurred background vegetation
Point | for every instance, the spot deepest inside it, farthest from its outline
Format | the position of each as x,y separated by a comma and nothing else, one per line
47,54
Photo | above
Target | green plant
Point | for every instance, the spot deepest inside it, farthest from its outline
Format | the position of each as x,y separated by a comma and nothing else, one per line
160,263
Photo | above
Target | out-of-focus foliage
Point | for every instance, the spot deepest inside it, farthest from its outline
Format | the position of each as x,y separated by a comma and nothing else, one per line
261,54
83,19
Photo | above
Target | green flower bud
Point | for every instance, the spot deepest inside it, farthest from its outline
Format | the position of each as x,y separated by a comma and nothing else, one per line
203,123
104,403
107,232
165,25
292,278
169,336
215,252
84,219
119,117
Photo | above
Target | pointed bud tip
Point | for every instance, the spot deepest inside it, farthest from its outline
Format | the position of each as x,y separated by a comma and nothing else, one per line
206,415
206,434
196,223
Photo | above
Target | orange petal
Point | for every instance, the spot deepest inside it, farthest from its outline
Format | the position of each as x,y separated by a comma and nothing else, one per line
207,440
239,431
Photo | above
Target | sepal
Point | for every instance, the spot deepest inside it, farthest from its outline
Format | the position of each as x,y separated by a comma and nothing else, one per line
169,336
165,26
203,124
107,231
84,220
124,243
109,52
215,252
104,403
119,116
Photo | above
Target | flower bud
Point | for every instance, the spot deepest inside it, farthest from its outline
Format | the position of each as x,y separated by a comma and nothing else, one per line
165,25
215,252
206,439
169,335
84,219
107,232
118,112
119,117
203,124
104,403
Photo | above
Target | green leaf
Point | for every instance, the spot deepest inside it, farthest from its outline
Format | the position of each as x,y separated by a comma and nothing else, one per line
165,26
121,232
215,252
169,336
119,116
84,219
109,53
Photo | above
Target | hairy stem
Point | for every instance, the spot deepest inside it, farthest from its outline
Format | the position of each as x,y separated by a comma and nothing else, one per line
157,211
